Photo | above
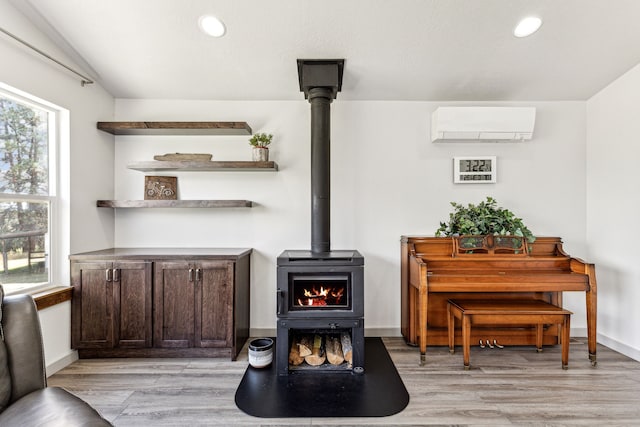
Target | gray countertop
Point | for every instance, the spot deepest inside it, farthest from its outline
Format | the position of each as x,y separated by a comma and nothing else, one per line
162,253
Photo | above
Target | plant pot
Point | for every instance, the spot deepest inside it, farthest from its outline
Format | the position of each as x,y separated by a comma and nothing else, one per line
260,154
260,352
490,244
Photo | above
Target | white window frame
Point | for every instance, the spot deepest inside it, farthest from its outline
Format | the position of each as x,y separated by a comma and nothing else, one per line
58,120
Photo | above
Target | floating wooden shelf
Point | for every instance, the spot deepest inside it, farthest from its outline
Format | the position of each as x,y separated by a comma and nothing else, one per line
174,204
202,166
175,128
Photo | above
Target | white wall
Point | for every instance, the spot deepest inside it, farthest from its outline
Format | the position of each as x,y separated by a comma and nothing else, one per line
388,179
90,176
613,206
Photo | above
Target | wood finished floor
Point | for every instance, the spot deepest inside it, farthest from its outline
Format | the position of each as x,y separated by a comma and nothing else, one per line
505,387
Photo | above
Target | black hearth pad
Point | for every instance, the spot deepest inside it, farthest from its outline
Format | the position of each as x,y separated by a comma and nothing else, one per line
379,392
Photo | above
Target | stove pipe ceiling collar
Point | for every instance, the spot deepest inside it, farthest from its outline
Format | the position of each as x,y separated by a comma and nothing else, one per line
320,80
324,73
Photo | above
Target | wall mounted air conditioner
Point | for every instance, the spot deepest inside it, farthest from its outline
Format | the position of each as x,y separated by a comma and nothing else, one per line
482,124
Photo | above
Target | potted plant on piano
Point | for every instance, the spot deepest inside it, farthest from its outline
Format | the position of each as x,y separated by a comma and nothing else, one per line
486,228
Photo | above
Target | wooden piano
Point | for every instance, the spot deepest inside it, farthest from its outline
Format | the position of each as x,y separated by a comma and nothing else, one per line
433,270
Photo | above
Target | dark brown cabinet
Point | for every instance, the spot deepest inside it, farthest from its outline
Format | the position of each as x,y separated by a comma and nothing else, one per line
111,304
160,302
194,304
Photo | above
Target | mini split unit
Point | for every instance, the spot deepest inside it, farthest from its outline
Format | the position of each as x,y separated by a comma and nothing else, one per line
487,124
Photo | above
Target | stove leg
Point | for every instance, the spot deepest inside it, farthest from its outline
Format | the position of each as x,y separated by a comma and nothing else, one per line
357,341
282,350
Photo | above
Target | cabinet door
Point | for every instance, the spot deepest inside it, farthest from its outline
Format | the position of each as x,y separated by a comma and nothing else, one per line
174,304
92,305
214,304
132,290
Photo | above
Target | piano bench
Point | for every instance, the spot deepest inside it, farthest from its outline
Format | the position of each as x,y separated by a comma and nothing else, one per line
506,312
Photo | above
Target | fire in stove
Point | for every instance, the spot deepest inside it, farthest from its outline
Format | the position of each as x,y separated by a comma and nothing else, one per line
319,293
322,297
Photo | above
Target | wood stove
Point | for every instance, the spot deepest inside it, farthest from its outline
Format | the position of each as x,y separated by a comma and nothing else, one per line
320,294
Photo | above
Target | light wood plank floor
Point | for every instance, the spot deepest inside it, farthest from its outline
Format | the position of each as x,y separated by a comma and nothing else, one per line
505,387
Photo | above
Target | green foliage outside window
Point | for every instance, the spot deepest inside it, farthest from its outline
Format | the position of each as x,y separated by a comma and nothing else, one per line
24,172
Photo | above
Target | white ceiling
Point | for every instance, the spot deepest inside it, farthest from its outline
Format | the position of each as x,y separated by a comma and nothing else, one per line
433,50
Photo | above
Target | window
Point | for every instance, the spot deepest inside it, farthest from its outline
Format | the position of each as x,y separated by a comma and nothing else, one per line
27,191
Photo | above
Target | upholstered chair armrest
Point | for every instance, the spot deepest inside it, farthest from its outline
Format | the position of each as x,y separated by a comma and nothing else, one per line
25,351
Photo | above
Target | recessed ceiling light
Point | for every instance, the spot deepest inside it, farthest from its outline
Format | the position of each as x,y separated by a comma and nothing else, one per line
527,26
211,26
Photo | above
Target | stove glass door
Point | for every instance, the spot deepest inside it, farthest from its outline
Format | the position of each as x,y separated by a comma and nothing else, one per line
326,291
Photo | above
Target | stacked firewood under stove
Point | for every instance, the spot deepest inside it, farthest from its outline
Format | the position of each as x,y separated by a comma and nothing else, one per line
318,349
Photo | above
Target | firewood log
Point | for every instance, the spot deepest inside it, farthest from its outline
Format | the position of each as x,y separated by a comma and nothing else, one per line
334,350
317,356
294,355
304,345
347,349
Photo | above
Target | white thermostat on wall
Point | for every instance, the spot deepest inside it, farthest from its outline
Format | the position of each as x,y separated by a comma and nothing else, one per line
474,170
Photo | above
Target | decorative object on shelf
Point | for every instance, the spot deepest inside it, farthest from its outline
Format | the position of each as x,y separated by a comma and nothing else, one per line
181,157
260,143
471,224
160,188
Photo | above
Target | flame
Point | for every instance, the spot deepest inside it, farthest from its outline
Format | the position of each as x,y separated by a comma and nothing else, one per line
321,297
323,292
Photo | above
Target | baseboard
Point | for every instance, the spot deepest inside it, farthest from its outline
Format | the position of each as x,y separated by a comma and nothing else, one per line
579,332
368,332
382,332
61,363
628,351
621,348
262,332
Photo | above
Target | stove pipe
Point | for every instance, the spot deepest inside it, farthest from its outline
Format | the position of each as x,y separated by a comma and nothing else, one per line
320,80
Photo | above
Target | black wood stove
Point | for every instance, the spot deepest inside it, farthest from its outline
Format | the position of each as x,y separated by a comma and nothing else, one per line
320,291
320,294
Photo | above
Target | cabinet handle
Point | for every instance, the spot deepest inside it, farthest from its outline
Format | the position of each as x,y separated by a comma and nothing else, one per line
107,274
198,271
116,274
191,274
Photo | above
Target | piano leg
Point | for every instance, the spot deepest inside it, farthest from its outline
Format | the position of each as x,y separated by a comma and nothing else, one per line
565,334
466,341
591,326
451,329
422,316
539,332
592,304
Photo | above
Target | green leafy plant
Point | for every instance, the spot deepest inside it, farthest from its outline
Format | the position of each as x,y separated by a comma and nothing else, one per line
261,140
483,219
